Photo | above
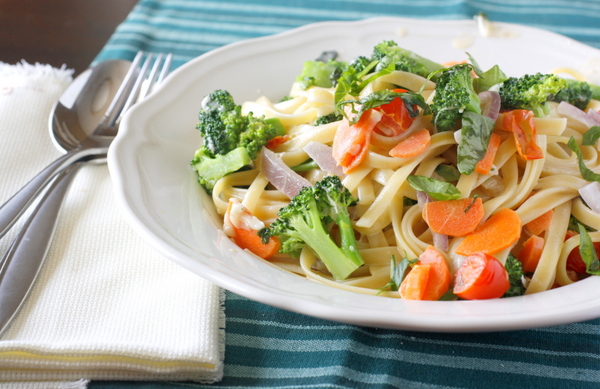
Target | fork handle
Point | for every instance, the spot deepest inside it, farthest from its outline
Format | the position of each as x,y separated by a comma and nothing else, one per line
22,262
14,207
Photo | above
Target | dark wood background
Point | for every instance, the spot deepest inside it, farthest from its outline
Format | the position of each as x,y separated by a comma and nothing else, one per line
58,32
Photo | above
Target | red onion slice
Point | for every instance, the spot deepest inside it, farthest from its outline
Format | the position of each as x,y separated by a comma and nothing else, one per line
440,241
280,175
590,193
572,112
322,155
490,104
595,115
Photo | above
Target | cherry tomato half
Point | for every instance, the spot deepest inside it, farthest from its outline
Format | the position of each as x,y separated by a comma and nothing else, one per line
480,277
575,262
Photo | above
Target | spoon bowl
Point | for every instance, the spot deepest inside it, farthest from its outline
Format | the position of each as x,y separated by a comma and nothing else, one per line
82,106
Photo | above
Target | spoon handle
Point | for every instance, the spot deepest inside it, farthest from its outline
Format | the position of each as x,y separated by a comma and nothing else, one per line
14,207
21,264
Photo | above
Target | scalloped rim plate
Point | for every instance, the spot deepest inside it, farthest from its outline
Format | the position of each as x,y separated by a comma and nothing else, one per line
154,183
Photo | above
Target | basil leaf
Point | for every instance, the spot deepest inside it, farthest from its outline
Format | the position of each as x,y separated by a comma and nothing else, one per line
475,135
449,296
397,272
436,189
488,79
382,97
590,137
351,82
588,252
586,172
447,172
574,223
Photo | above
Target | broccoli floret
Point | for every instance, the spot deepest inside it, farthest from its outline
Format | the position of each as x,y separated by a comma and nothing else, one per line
454,94
388,52
231,140
514,268
360,63
319,73
303,222
578,93
530,92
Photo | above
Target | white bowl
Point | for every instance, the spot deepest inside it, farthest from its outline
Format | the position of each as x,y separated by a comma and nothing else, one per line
150,166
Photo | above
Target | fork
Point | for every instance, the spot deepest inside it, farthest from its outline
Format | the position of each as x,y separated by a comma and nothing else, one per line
22,262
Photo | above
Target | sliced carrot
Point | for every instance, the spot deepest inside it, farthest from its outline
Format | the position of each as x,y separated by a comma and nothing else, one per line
351,142
276,141
454,217
531,253
497,233
412,146
414,284
439,273
249,239
245,237
540,223
520,123
484,166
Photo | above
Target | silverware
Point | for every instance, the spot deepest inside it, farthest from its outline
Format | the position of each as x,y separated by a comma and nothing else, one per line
21,264
78,127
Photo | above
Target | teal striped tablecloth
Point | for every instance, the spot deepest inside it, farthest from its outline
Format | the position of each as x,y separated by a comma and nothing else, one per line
271,348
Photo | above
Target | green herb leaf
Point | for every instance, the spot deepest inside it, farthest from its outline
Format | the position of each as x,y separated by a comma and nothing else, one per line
586,172
588,252
475,136
438,190
447,172
590,137
488,79
574,225
448,296
382,97
397,272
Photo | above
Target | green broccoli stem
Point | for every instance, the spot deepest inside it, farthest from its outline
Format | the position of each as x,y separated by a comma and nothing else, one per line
347,238
595,91
210,170
317,238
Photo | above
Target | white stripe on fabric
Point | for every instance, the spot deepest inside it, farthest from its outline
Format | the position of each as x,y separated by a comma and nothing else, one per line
584,329
337,370
450,361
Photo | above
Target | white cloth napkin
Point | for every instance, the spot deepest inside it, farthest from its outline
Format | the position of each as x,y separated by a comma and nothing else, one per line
105,305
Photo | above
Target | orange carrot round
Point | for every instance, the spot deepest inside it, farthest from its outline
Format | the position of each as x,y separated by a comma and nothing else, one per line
249,239
499,232
415,283
412,146
531,253
540,223
439,274
484,166
454,217
351,142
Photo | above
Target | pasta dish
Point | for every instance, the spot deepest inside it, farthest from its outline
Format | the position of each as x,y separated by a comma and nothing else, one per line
396,176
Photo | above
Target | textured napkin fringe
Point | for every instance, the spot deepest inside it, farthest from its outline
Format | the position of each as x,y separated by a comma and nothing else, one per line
35,71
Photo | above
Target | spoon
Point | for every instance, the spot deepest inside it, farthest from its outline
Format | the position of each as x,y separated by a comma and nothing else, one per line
76,116
22,262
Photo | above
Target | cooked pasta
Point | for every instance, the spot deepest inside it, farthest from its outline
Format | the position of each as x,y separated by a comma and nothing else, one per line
388,217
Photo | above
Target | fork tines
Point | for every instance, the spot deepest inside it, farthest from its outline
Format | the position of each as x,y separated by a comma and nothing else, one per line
137,84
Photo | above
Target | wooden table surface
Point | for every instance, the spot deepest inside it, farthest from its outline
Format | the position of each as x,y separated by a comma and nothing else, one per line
58,32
